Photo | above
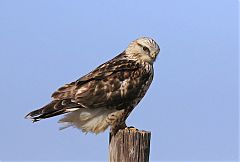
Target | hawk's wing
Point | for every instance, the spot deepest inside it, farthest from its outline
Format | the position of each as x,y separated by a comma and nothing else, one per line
99,74
112,85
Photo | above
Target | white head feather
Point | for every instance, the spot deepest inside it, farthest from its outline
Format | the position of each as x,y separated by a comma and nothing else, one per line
143,48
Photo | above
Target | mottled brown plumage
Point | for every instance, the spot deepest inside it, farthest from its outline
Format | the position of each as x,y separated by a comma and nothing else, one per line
107,95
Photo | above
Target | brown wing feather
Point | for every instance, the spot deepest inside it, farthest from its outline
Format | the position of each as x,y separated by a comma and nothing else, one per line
56,107
65,92
115,65
110,92
102,87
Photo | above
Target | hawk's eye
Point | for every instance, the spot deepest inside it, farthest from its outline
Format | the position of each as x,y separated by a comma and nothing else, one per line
146,49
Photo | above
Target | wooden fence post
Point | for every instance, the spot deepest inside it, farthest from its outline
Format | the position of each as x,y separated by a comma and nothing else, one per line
129,145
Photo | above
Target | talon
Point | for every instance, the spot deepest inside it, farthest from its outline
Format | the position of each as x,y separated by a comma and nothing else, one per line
132,128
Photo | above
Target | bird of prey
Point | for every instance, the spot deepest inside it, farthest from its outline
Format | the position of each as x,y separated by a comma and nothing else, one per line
106,96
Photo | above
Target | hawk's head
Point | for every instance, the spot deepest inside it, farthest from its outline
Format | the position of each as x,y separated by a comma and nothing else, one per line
143,48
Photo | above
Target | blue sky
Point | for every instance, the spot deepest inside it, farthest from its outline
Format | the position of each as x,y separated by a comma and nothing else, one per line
191,108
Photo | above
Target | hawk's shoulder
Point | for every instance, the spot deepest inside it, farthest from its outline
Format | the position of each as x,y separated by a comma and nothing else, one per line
119,63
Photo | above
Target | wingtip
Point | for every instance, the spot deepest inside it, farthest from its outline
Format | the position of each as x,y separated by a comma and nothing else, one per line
30,117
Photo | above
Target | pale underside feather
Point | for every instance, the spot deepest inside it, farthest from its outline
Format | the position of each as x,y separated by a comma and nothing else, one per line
88,120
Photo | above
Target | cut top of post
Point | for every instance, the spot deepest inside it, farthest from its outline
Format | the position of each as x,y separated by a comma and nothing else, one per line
129,145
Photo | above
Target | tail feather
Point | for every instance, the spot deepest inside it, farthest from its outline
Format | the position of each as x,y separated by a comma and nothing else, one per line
56,107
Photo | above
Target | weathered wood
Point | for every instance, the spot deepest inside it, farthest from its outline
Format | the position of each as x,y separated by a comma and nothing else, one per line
129,145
